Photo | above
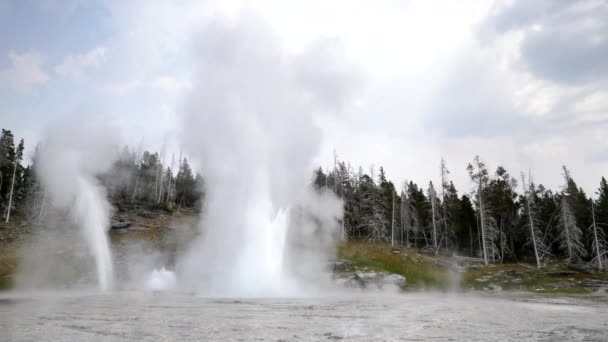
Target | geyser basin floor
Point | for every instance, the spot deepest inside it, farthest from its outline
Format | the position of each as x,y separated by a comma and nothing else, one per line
136,316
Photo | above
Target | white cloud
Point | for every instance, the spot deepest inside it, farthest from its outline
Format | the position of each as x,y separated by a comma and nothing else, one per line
25,71
123,87
170,84
73,66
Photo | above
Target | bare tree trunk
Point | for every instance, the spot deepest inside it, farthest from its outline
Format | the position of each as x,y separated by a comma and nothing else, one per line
444,204
597,242
482,219
135,190
170,176
432,191
532,231
471,239
567,232
42,207
393,223
10,196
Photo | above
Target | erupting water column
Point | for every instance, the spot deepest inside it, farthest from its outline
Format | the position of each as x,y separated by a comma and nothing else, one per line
250,125
70,158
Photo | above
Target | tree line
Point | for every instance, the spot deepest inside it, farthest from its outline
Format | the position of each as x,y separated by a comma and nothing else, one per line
135,180
502,219
495,222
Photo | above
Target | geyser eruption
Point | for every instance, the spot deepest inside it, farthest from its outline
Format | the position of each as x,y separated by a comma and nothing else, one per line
70,158
250,123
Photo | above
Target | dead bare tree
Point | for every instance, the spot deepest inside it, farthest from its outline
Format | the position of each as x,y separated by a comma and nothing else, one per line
18,157
536,237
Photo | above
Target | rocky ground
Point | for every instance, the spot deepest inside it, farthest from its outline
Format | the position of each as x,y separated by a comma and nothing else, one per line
359,264
424,270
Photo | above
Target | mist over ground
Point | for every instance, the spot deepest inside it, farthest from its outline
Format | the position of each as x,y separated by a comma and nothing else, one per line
293,171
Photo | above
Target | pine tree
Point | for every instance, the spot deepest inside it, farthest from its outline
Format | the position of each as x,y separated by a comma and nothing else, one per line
7,157
601,205
405,215
599,245
433,199
17,159
571,235
372,207
500,196
489,231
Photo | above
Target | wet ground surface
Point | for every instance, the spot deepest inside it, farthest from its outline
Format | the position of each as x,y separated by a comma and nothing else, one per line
139,316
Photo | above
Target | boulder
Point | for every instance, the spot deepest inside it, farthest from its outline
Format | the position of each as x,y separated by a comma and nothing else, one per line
493,287
394,280
559,273
594,283
427,250
352,281
514,273
442,264
581,267
372,280
559,285
484,278
340,266
121,225
146,214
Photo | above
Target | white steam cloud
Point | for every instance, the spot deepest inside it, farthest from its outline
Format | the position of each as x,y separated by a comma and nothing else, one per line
250,123
70,159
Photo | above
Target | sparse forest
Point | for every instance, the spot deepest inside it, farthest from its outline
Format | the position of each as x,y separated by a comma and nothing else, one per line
490,220
136,180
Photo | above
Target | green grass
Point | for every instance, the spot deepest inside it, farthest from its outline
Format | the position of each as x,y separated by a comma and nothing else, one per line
8,264
422,273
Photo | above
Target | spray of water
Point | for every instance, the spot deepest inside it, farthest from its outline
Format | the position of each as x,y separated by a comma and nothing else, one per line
251,125
70,158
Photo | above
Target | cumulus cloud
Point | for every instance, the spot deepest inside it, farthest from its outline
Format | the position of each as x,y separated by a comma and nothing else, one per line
563,41
170,84
25,72
122,88
74,65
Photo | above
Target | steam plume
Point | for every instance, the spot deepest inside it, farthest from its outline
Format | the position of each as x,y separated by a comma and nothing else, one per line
71,157
250,123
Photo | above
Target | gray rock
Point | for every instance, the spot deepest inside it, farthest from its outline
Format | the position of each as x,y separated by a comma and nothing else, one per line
352,281
146,214
594,283
514,273
493,287
427,250
120,225
442,264
371,280
559,273
340,266
559,285
581,267
394,280
483,279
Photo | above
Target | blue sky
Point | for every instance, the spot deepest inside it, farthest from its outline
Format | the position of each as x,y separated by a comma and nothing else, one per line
524,84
